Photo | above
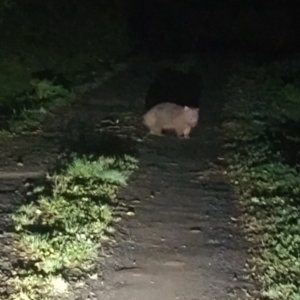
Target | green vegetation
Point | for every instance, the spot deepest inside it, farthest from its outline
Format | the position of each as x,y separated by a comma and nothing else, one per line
64,227
262,119
50,53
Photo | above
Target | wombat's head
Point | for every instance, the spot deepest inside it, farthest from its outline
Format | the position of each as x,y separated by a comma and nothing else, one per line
191,115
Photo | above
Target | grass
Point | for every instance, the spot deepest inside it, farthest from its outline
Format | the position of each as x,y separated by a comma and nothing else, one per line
63,227
45,64
50,55
261,115
28,109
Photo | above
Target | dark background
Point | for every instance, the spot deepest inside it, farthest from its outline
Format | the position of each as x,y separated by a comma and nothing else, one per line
161,26
74,39
267,27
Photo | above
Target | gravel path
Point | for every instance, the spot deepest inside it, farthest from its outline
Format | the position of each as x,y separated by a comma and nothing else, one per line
183,242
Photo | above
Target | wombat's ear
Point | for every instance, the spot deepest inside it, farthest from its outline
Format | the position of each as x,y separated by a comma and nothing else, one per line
186,108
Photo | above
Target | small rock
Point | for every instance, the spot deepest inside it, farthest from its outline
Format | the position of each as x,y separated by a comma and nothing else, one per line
195,229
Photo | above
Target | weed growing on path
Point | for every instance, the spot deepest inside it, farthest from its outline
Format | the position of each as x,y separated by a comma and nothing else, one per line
63,228
262,114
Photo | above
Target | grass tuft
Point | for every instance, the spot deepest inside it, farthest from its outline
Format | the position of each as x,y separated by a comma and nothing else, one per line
65,228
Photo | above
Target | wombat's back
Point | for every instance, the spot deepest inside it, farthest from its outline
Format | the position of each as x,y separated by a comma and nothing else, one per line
163,114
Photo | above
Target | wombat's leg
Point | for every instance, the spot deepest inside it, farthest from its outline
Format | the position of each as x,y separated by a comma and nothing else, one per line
186,132
156,131
179,131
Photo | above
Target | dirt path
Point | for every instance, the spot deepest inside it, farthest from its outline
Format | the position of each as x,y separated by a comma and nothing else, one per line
182,242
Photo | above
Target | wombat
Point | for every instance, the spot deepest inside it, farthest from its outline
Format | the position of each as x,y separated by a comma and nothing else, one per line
170,116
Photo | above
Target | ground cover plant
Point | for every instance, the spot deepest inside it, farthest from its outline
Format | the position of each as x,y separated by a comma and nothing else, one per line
50,54
63,224
261,128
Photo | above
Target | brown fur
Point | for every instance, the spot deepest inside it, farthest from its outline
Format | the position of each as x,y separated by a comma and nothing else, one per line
170,116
